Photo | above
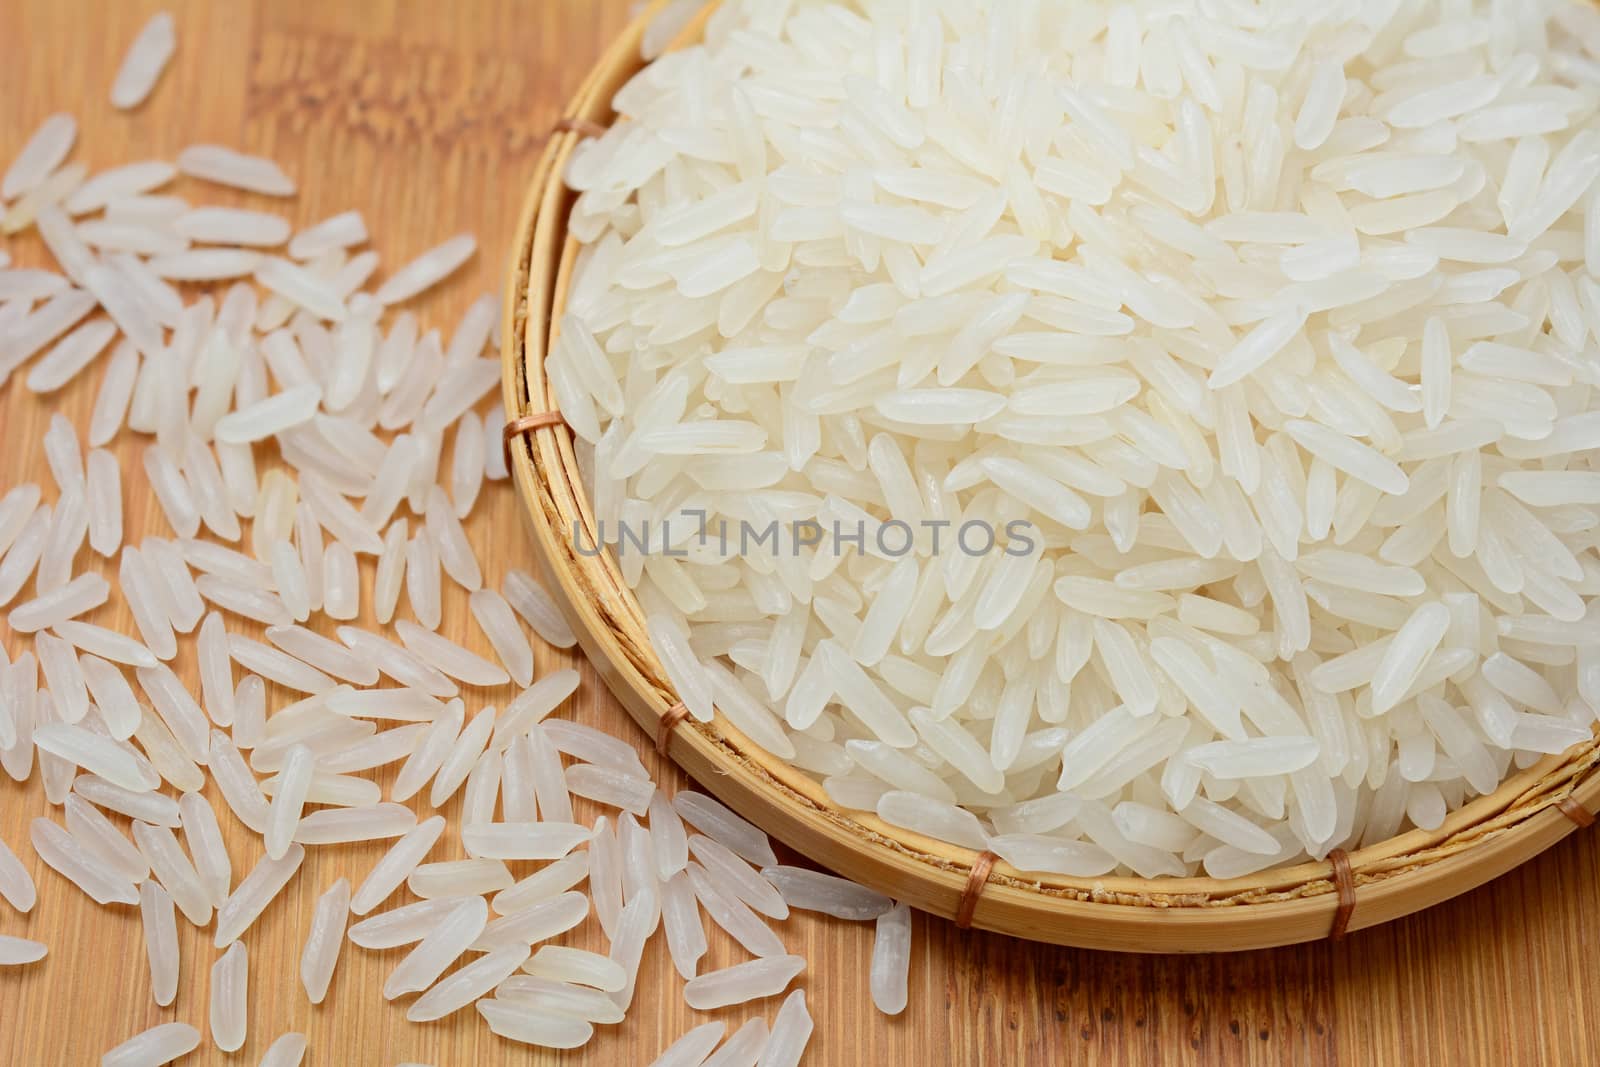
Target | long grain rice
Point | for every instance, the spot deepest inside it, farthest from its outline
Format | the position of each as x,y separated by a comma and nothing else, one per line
146,58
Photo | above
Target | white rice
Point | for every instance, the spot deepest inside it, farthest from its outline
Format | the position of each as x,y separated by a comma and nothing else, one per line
447,656
692,1048
77,865
23,557
95,754
206,264
744,1048
791,1032
483,790
63,677
236,784
216,673
325,939
82,594
494,458
300,287
323,653
178,709
467,464
634,926
588,744
271,664
891,956
422,580
168,757
523,841
530,600
16,508
16,884
336,515
685,930
99,835
610,787
456,392
204,838
737,920
118,184
154,1047
100,641
462,757
272,416
161,941
537,922
515,1022
738,878
288,1051
430,754
443,945
224,166
341,791
69,525
70,356
146,58
230,998
391,572
309,543
427,269
564,964
403,926
341,582
543,995
252,895
143,591
468,984
20,284
231,226
103,493
717,822
250,711
360,819
1350,404
335,232
472,332
44,325
551,882
398,663
172,492
48,193
44,152
121,234
742,982
176,873
814,891
450,542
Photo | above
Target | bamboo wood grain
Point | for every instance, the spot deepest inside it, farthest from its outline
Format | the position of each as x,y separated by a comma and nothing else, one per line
430,117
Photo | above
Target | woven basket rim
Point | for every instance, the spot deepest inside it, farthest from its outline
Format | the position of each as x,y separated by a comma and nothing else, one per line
1403,874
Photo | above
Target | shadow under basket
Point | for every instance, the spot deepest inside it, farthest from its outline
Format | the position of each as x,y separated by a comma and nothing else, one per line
1528,813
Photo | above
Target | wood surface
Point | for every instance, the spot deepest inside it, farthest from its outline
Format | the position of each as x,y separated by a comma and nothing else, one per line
429,117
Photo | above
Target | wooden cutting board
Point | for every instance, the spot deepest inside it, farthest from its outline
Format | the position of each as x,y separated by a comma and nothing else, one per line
428,117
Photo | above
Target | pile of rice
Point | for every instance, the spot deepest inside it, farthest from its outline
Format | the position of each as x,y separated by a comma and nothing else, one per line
315,451
1264,338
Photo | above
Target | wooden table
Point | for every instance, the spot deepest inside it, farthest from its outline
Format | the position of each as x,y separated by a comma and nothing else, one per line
428,116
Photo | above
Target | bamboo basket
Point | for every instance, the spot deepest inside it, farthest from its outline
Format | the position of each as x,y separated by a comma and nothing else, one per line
1487,837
